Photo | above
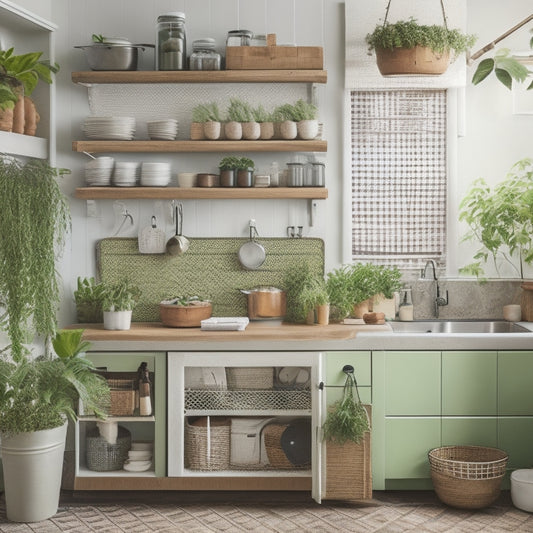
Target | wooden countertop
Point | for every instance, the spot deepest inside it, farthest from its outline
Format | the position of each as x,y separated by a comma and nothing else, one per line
255,331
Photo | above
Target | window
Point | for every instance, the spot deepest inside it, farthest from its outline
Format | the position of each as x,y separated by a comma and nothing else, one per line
398,173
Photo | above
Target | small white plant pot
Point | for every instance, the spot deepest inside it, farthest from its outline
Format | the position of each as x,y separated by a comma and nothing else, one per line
233,131
117,320
266,131
288,130
307,129
251,131
212,130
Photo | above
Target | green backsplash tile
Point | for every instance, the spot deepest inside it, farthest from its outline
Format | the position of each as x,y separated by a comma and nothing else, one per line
210,268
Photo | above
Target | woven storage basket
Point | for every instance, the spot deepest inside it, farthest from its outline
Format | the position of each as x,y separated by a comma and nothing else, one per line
102,456
349,469
207,450
277,457
468,477
122,396
250,378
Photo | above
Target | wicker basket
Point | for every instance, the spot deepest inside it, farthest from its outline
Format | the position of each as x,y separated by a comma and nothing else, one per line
102,456
277,457
468,477
207,450
250,378
122,396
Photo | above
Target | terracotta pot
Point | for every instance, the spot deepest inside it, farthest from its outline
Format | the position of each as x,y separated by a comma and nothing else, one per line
197,131
417,60
212,130
360,309
18,116
322,314
6,120
31,117
185,316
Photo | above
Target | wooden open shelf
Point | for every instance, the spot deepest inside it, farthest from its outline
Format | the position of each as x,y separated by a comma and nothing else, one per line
200,146
198,76
201,193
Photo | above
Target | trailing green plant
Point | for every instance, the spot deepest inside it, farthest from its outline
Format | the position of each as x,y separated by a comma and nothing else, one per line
408,34
206,113
34,220
303,110
501,220
244,163
120,296
260,114
239,111
347,421
41,393
228,163
89,298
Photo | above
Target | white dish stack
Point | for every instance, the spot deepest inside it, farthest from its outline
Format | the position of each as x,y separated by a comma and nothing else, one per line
126,173
165,130
98,171
109,128
155,174
139,456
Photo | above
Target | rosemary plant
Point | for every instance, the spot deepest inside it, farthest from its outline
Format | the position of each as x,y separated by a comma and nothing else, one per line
34,220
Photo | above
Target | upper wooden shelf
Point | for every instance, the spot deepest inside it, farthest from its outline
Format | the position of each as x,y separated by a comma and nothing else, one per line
199,76
200,146
201,193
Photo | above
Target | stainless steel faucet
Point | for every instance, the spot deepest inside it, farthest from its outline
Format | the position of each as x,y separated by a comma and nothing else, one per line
439,300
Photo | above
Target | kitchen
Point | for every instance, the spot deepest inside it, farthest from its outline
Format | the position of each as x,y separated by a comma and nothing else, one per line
486,121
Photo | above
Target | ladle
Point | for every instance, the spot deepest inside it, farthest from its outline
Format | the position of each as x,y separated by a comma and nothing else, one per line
178,244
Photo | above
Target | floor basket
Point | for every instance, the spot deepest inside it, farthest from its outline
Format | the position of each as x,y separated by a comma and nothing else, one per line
104,457
467,477
207,448
250,378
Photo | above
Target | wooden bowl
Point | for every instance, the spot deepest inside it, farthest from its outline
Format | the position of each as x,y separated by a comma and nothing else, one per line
184,316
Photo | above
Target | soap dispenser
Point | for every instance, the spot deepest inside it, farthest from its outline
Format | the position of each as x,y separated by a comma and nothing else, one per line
405,313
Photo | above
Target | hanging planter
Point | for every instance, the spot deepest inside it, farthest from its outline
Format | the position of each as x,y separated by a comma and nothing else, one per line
408,48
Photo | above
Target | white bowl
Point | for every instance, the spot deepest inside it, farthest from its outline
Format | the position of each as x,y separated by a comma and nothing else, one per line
140,455
187,179
142,445
137,466
522,489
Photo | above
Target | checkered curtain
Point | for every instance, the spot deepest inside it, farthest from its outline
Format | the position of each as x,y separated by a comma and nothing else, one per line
398,142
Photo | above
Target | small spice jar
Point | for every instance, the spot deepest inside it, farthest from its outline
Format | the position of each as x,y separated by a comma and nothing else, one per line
204,56
239,38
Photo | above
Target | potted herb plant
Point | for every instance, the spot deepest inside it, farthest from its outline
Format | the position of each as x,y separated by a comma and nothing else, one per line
209,116
37,397
89,298
314,297
119,300
406,47
251,130
305,113
285,119
237,113
266,124
227,168
184,311
245,171
19,74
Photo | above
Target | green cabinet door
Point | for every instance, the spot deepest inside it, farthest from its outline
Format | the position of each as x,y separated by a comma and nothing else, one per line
335,377
469,383
407,443
515,390
412,383
470,431
515,436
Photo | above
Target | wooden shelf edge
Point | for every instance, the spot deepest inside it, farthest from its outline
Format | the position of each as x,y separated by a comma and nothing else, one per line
191,76
199,146
201,193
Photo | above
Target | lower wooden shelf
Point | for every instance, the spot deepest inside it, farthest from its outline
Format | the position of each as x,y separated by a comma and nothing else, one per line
199,193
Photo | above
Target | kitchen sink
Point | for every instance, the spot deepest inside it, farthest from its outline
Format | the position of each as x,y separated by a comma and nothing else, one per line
458,326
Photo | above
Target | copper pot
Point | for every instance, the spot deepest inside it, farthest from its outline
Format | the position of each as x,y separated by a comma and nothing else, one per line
266,303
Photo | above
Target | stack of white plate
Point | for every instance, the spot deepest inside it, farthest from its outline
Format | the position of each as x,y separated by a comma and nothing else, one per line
109,128
126,173
98,171
139,457
155,174
165,130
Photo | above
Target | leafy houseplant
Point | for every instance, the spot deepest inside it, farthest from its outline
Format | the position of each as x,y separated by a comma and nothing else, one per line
119,300
245,168
399,47
89,298
501,220
228,168
37,396
19,75
34,220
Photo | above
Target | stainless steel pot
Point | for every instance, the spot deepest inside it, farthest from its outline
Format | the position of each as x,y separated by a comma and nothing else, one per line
266,303
105,56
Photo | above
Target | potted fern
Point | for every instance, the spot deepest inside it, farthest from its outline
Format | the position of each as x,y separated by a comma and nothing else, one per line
118,302
406,47
37,397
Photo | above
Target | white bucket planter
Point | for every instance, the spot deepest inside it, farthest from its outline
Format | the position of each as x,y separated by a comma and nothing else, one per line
33,465
288,130
117,320
307,129
233,131
212,130
251,130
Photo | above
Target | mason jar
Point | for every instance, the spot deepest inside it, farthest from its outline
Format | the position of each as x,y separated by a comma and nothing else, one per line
204,55
171,42
239,38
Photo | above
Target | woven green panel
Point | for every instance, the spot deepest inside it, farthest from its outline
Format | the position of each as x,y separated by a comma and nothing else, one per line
210,268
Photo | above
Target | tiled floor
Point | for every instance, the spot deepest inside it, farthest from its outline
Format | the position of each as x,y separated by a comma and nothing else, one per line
388,512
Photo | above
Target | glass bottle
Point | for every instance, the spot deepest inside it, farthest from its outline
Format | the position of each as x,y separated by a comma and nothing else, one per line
171,42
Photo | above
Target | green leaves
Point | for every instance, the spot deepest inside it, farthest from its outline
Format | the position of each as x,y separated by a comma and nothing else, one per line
68,344
505,67
484,68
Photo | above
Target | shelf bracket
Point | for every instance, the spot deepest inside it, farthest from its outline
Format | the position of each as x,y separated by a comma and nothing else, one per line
312,206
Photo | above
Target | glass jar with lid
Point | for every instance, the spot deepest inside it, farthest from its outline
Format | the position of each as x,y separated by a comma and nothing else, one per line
171,42
204,56
239,38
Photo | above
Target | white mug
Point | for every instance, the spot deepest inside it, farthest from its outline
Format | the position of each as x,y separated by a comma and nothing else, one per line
512,313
